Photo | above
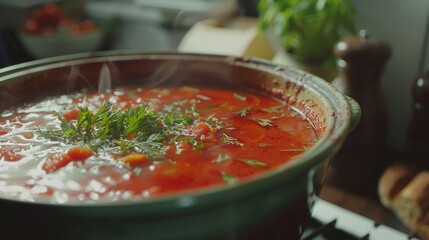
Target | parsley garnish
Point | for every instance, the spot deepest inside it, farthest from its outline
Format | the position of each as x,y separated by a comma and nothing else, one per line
135,129
243,112
274,109
253,162
229,179
221,158
240,97
230,140
264,122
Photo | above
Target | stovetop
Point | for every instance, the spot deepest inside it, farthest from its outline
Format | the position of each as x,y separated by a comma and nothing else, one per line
330,222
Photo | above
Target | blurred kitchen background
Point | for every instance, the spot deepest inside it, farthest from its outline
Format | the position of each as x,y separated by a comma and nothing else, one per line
230,27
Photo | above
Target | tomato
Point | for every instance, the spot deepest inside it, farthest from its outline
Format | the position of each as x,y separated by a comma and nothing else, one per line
134,159
71,115
31,26
56,162
9,154
199,129
49,17
79,153
49,14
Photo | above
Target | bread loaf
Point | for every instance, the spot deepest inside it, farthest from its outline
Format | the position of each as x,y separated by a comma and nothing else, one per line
393,180
406,191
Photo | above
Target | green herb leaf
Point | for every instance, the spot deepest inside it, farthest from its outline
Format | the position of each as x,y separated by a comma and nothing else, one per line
221,158
240,97
293,150
230,140
264,122
135,129
275,109
243,112
265,145
202,97
229,179
253,162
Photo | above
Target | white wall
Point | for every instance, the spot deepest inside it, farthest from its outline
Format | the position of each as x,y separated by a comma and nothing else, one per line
402,24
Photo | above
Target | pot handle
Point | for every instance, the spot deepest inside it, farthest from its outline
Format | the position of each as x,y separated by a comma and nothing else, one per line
355,112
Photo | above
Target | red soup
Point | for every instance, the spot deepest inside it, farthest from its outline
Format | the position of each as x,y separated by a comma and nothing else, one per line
135,143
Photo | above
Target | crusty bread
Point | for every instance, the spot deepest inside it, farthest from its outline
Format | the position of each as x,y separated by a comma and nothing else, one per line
406,191
393,180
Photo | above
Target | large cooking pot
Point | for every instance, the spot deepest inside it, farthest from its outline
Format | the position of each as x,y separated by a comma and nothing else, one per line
276,205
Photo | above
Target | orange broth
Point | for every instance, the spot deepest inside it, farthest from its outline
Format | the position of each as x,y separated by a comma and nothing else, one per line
231,136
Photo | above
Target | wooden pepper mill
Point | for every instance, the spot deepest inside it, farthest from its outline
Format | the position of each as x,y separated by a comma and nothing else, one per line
418,132
358,164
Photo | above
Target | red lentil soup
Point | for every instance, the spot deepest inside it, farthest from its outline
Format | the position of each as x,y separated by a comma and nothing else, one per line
137,143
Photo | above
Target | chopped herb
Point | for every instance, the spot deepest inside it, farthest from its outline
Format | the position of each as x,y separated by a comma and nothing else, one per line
221,158
265,145
264,122
240,97
293,113
293,150
134,129
253,162
214,122
274,109
202,97
243,112
230,140
137,171
229,179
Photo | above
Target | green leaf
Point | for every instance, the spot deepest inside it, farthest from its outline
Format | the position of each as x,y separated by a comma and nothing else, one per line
240,97
264,122
221,158
243,112
229,179
253,162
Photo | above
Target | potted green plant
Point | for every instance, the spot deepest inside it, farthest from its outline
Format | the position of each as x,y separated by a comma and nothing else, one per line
307,30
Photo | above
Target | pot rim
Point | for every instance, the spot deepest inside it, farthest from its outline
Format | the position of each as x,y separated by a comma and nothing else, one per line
326,146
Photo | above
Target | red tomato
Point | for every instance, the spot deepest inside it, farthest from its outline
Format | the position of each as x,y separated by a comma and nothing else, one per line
134,159
31,26
79,153
9,154
199,129
56,162
71,115
50,14
3,132
87,26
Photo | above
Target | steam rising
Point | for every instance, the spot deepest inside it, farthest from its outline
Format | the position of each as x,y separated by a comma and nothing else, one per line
105,80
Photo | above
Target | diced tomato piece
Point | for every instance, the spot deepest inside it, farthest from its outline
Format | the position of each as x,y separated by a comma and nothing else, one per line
56,162
134,158
79,153
199,129
71,115
3,131
27,135
9,154
183,146
131,136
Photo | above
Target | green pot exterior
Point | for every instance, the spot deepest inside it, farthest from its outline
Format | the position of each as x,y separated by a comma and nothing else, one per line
274,205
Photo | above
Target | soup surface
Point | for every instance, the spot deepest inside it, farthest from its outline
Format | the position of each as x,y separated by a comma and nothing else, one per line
136,143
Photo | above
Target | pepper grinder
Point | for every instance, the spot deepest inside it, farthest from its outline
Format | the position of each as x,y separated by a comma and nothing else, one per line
418,132
358,164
